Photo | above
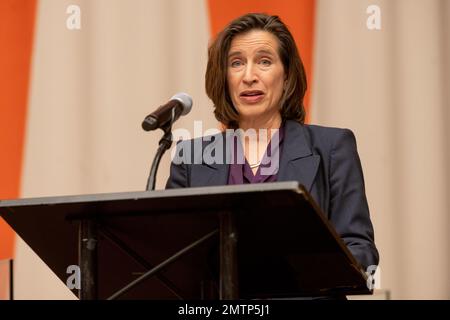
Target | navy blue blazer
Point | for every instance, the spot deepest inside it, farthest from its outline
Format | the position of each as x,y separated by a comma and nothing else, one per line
325,160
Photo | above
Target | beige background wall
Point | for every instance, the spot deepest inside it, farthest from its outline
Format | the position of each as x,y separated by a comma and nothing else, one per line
92,87
392,88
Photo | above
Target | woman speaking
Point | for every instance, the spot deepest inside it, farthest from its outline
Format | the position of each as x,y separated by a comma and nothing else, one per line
257,82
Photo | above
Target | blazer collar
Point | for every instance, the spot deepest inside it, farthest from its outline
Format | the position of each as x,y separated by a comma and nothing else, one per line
297,161
295,144
211,174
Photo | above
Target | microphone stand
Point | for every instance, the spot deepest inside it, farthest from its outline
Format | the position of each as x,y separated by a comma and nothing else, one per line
164,144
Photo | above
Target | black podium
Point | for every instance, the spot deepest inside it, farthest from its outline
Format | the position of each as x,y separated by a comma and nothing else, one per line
248,241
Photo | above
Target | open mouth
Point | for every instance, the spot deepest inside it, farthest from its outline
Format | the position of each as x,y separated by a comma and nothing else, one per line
251,96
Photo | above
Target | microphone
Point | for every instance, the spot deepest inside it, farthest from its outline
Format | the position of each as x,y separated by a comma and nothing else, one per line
179,105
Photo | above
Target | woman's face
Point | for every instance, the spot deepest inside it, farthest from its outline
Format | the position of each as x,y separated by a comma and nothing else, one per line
255,74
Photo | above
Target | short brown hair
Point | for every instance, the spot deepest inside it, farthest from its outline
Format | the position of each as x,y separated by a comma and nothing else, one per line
216,72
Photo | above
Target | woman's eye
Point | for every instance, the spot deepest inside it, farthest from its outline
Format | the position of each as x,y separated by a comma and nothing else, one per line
266,62
236,63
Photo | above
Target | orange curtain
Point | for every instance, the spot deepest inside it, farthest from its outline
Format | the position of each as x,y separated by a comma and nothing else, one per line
16,38
298,15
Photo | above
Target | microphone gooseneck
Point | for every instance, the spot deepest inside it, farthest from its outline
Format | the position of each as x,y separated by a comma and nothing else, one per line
163,118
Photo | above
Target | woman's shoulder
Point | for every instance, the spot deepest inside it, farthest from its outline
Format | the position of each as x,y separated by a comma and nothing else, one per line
325,131
327,137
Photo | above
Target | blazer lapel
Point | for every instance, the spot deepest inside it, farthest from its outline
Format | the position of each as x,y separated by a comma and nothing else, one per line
297,162
211,174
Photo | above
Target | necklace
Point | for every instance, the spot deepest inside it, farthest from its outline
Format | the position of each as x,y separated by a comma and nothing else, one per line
254,165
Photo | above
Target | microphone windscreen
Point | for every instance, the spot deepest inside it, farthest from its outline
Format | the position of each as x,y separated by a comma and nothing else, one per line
186,101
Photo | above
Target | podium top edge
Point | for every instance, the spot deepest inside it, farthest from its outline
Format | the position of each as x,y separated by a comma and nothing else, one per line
293,186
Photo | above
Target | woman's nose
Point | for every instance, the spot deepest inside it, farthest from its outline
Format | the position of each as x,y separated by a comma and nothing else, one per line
250,76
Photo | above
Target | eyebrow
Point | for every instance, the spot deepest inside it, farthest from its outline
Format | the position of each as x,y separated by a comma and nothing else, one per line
265,51
259,52
234,53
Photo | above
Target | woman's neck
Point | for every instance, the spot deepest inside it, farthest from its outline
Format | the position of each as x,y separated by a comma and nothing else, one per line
267,123
255,148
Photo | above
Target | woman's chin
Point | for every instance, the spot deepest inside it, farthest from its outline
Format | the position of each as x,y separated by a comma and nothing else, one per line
249,112
251,116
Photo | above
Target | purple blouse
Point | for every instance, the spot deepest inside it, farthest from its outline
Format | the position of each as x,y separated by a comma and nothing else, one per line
267,170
